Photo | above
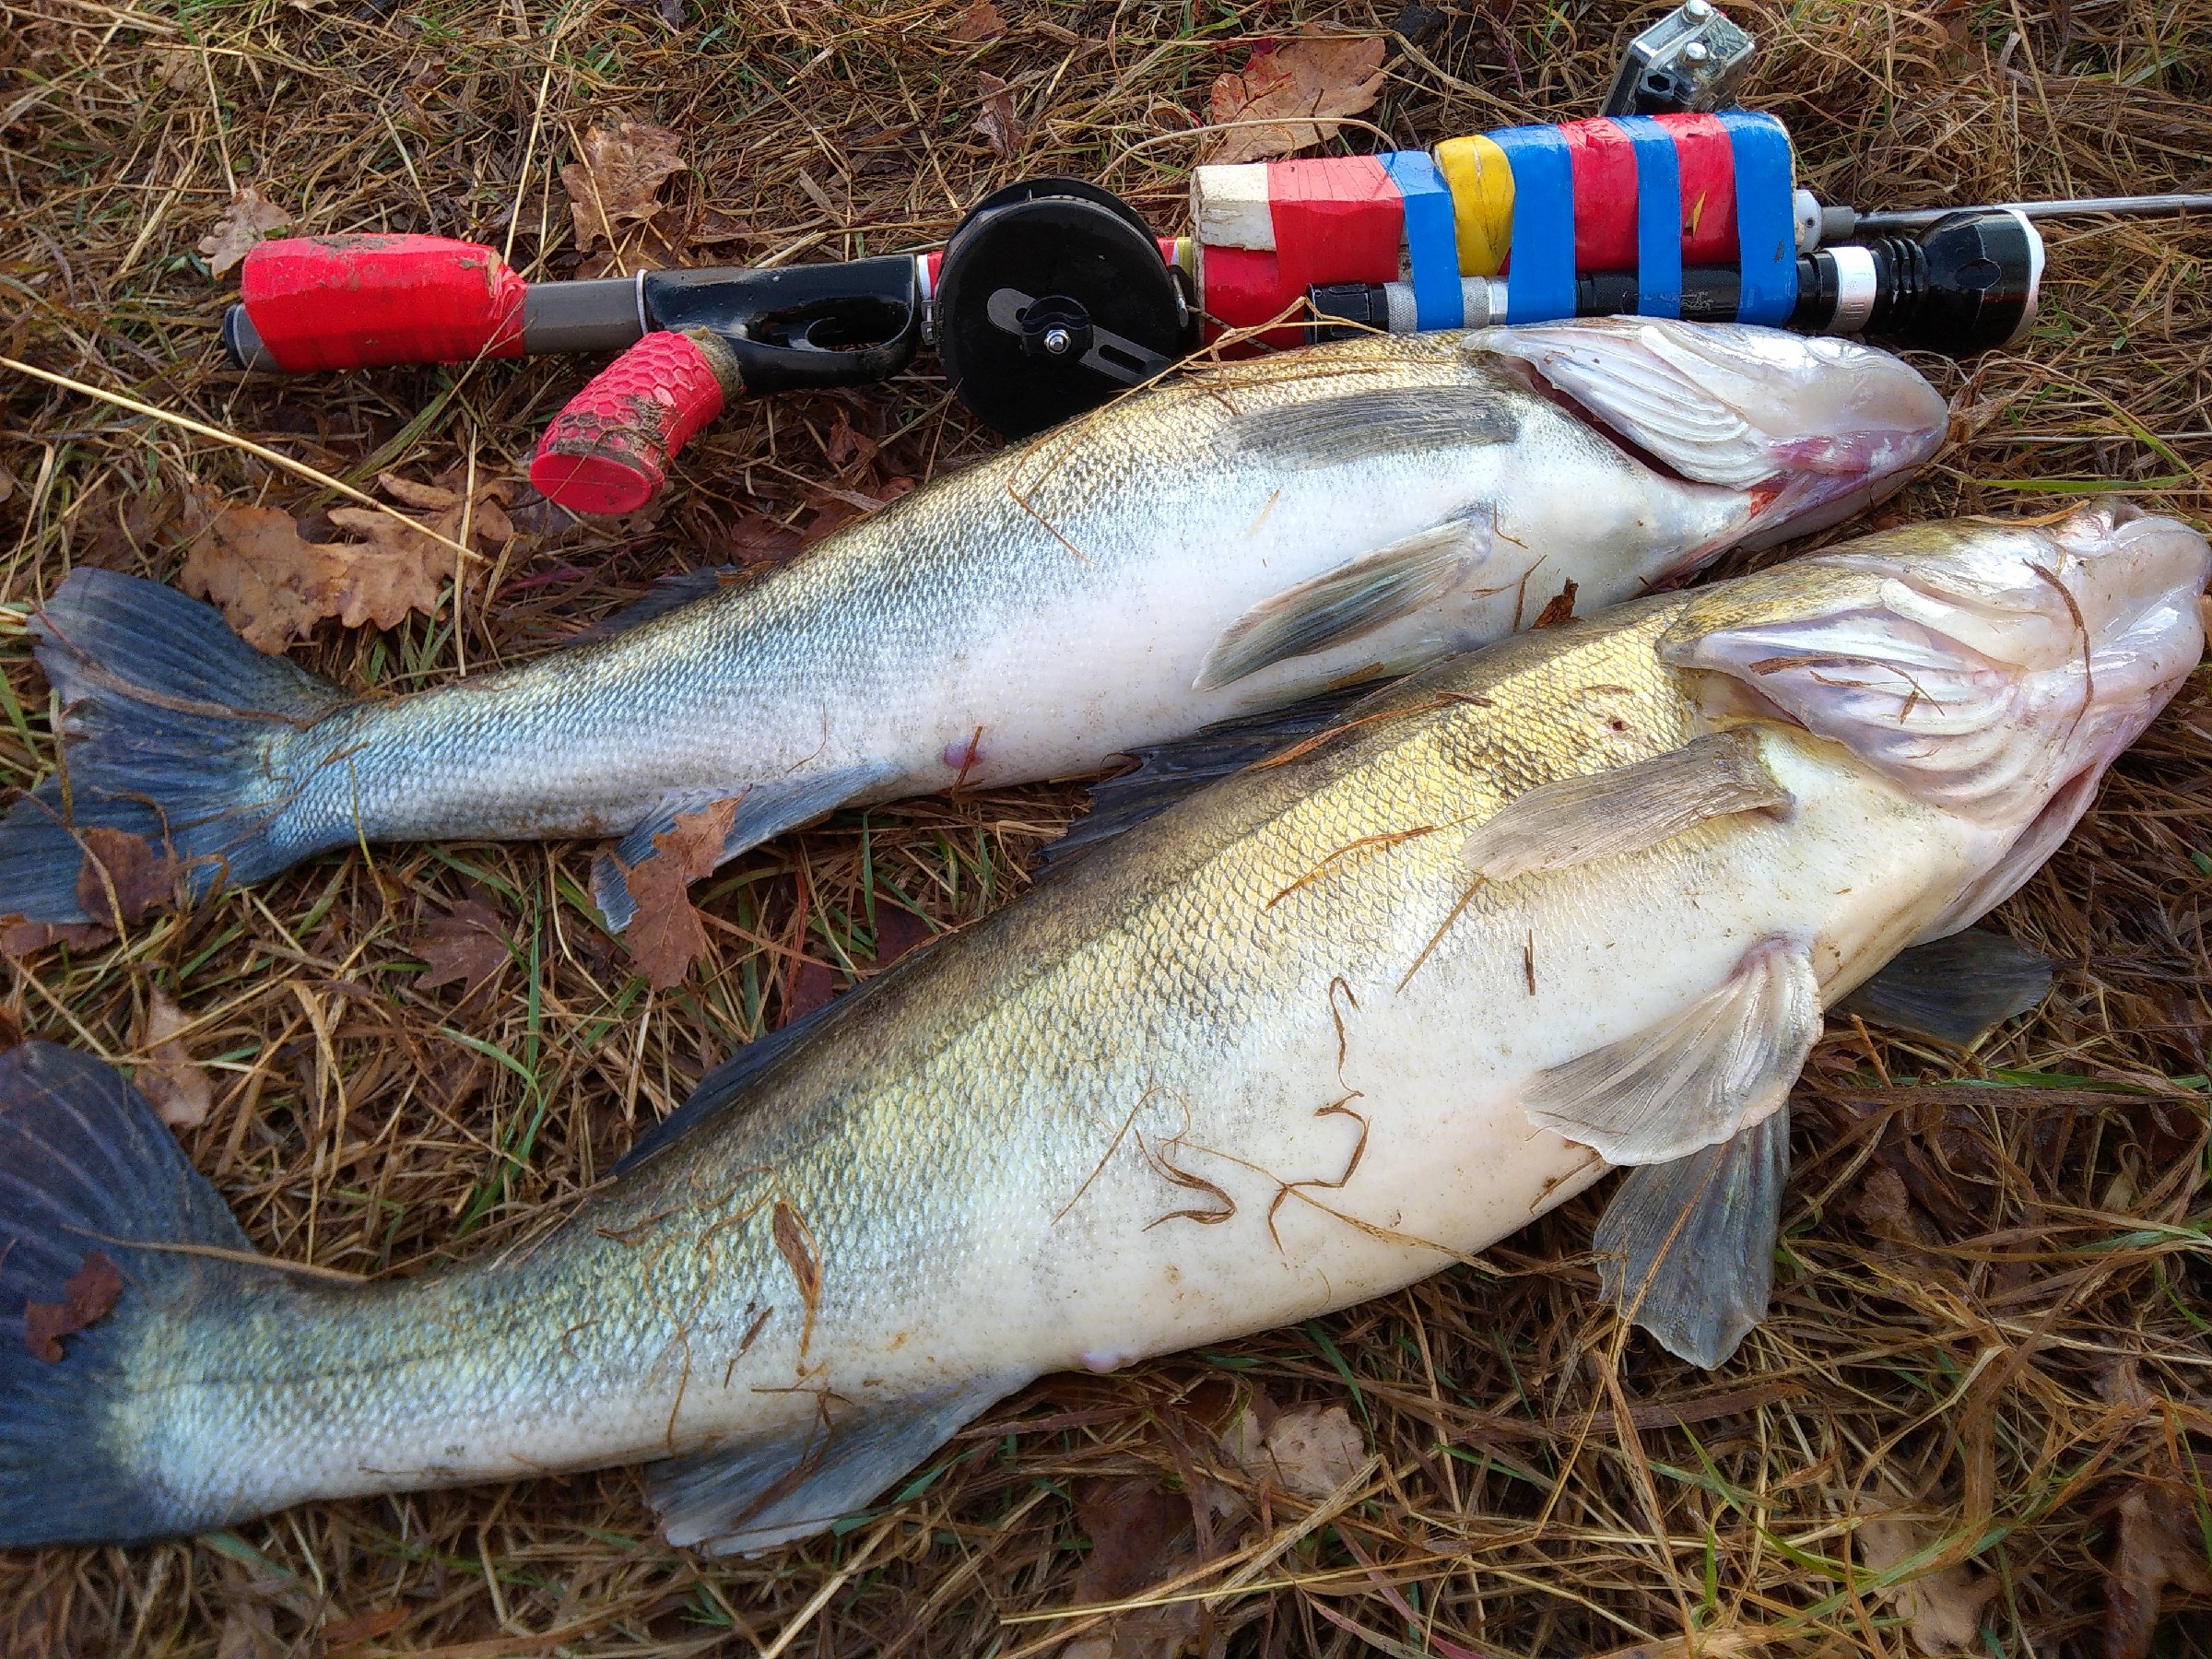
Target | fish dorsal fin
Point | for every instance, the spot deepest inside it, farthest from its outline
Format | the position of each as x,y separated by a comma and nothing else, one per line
1361,425
1953,990
1169,772
1652,386
758,1490
1608,814
1686,1248
1357,597
764,810
671,594
1696,1078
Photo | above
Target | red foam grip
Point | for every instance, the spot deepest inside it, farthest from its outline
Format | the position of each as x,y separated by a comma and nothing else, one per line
361,302
1604,158
1707,156
608,450
1337,218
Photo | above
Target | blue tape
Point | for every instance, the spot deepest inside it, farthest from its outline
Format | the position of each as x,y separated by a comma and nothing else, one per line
1539,284
1766,228
1658,216
1431,242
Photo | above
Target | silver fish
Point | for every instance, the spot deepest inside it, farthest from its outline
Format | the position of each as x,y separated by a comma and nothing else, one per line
1229,544
1573,901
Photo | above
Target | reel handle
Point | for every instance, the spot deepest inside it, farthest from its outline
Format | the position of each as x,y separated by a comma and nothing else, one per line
608,450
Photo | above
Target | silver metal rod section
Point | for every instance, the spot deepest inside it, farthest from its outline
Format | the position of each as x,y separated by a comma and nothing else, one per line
601,314
2139,206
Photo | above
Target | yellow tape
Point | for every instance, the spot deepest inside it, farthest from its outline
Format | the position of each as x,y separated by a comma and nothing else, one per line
1482,202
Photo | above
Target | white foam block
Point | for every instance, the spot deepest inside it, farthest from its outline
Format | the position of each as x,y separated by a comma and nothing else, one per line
1229,207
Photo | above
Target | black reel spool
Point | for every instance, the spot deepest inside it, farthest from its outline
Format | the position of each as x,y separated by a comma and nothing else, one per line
1051,299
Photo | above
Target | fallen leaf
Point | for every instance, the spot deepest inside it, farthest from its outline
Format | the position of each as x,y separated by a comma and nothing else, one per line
238,229
1942,1609
273,586
614,198
362,1626
666,934
2162,1545
996,122
1312,1450
20,939
1315,75
980,21
179,1091
11,1030
467,944
755,538
89,1295
811,987
1556,610
122,865
1140,1535
898,932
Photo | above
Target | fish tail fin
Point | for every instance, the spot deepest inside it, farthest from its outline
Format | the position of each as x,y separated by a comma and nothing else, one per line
171,723
95,1195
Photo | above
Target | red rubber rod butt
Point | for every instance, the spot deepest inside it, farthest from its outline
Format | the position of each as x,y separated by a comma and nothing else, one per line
362,302
608,450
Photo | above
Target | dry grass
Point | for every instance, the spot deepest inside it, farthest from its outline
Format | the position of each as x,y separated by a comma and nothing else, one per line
1992,1309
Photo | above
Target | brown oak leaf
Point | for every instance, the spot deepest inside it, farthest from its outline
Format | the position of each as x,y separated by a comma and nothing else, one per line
614,198
180,1091
1942,1609
1316,75
468,943
980,21
665,935
2162,1545
20,939
996,122
1312,1450
238,229
123,868
91,1294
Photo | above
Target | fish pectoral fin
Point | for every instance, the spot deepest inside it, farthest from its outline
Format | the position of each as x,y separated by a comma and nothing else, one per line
1357,597
1169,772
1686,1249
1351,427
1608,814
1953,989
763,810
1696,1078
755,1492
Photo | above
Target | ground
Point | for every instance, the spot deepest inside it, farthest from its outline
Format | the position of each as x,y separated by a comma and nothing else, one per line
1990,1311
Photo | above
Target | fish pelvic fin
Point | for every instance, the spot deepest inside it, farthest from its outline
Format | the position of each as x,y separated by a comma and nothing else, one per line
170,727
1697,1078
764,810
755,1492
1355,598
1686,1249
1953,989
1609,814
95,1197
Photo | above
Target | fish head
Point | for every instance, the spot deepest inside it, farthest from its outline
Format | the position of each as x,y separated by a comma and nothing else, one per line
1811,427
1993,670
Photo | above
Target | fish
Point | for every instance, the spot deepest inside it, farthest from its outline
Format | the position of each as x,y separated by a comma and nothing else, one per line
1236,542
1327,1025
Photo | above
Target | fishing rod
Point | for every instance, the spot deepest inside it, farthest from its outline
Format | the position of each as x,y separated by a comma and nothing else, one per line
1053,295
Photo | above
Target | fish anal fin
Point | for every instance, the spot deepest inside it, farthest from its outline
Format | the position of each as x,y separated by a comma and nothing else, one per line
1953,989
755,1492
1696,1078
1361,426
1686,1249
764,810
1608,814
1355,598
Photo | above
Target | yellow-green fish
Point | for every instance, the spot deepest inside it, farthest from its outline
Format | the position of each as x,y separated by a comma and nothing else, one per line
1315,1032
